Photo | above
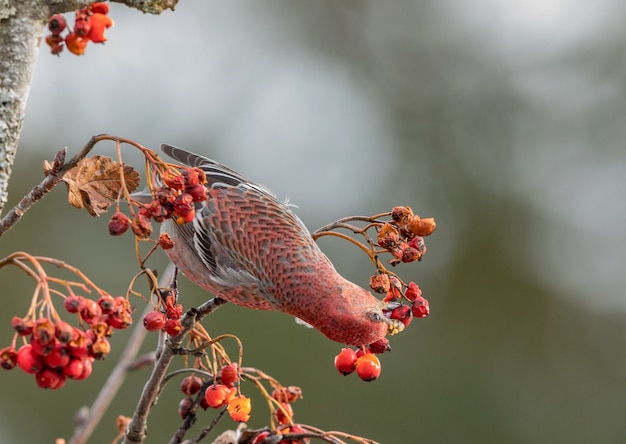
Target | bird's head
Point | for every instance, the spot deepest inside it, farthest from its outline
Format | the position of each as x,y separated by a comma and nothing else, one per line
359,318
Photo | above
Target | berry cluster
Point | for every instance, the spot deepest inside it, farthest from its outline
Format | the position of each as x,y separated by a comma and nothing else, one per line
176,199
90,23
55,350
363,360
216,395
167,320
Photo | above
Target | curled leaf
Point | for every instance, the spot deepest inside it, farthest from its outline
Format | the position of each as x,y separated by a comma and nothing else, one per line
95,183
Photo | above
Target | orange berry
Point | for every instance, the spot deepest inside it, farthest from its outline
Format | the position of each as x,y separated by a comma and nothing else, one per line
368,367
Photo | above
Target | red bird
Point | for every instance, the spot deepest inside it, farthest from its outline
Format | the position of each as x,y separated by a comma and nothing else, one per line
250,249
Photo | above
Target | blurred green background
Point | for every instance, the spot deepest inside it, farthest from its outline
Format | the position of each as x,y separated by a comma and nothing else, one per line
503,120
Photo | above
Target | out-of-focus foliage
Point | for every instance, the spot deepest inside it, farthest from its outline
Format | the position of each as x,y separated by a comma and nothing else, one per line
503,120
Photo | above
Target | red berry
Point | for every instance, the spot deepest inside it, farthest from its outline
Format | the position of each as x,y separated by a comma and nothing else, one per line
260,438
87,369
183,205
49,378
74,368
229,374
22,326
90,311
43,331
154,321
345,361
118,224
190,177
172,327
368,367
63,331
81,24
420,308
99,8
73,303
174,180
284,415
78,346
190,385
8,358
218,395
29,361
402,314
197,192
98,23
58,358
56,24
41,349
380,346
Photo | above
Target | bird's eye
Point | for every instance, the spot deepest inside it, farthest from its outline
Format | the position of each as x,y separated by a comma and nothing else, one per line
374,316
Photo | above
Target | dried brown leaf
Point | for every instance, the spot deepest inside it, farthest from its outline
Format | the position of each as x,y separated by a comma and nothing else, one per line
95,183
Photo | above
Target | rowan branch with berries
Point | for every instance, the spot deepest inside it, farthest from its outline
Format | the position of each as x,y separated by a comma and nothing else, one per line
66,327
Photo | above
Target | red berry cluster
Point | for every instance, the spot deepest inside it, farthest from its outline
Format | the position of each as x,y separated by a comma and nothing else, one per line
363,360
176,199
90,23
167,320
55,350
222,393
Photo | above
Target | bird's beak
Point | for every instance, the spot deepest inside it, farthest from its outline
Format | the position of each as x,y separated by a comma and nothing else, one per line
394,326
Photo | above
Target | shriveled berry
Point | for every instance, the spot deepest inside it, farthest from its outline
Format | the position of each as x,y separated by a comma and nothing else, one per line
422,227
410,254
418,243
183,205
388,236
190,385
401,215
229,374
380,283
165,241
184,407
75,43
118,224
368,367
345,361
141,226
100,348
412,292
154,321
287,394
420,308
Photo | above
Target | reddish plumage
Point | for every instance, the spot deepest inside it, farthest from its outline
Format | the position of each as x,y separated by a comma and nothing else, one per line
250,249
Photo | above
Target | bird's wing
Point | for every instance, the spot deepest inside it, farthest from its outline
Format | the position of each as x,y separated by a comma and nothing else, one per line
242,230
